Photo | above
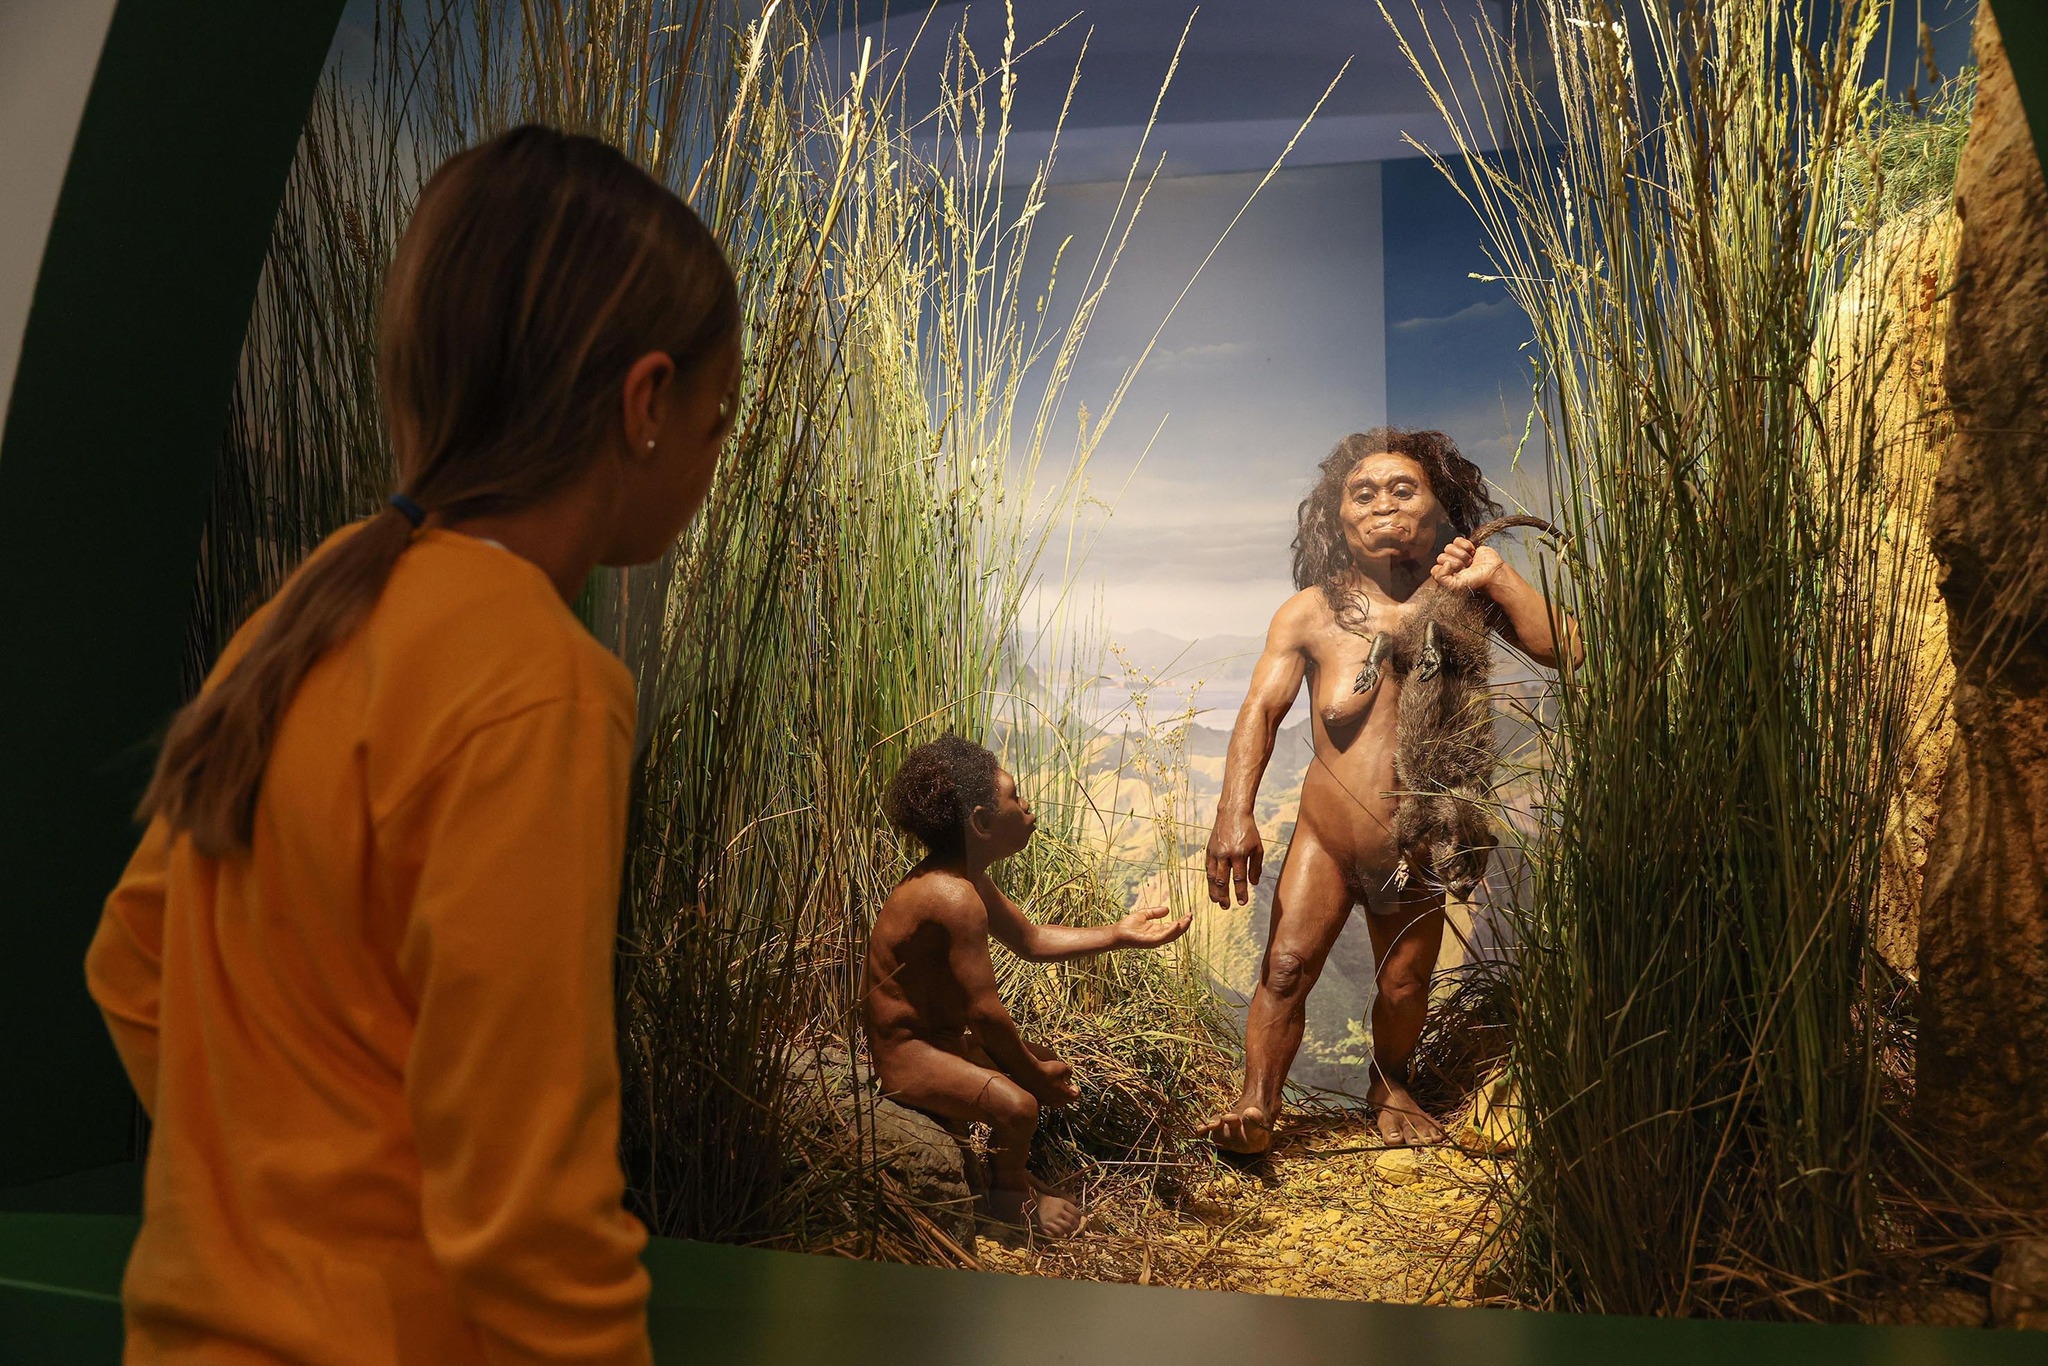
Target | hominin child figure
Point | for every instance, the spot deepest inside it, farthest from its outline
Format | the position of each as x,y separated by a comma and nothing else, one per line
941,1039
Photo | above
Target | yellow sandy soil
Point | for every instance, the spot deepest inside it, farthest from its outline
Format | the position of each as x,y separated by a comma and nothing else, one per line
1315,1218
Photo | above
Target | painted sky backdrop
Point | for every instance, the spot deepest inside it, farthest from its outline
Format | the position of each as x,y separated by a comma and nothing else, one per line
1288,341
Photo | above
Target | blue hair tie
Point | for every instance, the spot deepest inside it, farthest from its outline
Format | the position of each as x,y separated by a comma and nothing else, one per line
414,513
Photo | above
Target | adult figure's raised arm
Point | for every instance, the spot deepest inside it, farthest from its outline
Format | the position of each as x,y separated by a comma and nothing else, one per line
1237,854
1522,615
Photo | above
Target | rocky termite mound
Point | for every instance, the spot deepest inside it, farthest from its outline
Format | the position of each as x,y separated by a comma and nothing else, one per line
1983,1052
1892,314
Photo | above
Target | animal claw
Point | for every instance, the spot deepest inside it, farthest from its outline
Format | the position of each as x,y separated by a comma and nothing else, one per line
1369,674
1430,660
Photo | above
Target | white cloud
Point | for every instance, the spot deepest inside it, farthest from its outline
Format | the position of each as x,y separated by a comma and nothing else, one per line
1189,606
1470,313
1192,357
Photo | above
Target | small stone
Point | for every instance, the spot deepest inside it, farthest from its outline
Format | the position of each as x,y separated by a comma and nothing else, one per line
1493,1125
1400,1166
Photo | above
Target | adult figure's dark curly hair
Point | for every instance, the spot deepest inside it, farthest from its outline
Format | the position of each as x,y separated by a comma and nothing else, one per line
1322,559
937,789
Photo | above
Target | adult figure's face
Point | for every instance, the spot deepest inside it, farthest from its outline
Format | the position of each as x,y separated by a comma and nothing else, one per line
1389,512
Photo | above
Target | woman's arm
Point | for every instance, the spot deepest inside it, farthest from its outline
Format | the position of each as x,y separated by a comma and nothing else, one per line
124,966
1236,854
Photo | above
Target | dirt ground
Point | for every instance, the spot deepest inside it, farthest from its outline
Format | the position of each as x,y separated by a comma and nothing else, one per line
1325,1214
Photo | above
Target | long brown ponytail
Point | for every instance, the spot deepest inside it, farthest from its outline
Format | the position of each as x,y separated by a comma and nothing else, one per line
537,268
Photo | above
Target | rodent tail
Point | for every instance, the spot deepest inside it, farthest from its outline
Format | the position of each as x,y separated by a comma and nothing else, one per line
1500,524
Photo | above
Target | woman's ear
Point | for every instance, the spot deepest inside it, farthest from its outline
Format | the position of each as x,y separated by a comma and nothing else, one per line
978,819
647,392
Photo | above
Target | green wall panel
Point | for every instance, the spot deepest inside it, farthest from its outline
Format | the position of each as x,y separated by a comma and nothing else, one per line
727,1305
118,408
2023,24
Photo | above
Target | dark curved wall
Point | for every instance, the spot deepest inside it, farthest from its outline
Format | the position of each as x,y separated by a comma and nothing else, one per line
118,407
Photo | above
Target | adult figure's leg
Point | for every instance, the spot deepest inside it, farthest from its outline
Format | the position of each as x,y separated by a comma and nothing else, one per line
1310,907
1407,926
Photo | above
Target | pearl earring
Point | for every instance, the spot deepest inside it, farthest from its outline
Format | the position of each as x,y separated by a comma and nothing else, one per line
650,443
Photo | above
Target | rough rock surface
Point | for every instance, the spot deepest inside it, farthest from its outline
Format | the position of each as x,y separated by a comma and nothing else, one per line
2019,1288
936,1168
933,1165
1891,318
1983,1059
1941,1307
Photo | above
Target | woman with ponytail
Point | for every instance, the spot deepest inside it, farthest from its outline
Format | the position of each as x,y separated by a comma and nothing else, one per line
360,968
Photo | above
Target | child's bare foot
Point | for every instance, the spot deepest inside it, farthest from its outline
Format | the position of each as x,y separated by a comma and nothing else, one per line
1242,1129
1038,1207
1401,1122
1059,1201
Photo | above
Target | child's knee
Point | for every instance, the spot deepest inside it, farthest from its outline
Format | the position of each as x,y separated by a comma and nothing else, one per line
1010,1107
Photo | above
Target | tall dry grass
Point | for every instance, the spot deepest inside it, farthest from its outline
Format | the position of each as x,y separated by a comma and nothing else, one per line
1702,1016
856,584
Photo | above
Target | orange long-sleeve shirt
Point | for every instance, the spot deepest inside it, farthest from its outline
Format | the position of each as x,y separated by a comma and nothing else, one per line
378,1049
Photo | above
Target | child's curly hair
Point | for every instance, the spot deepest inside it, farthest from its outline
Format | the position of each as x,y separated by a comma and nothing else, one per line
938,787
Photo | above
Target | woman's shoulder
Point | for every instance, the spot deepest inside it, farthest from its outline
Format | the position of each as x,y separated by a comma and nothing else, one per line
1301,621
463,635
471,619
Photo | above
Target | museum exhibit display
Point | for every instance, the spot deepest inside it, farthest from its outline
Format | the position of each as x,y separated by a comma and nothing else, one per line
1350,677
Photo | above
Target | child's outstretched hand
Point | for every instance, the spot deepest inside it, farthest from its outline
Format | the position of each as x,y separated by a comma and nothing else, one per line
1148,927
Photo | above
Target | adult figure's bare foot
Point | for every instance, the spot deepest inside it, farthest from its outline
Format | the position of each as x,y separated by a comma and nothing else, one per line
1241,1129
1037,1207
1401,1122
